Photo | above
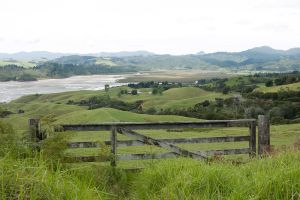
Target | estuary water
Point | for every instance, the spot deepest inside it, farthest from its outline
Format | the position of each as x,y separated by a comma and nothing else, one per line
12,90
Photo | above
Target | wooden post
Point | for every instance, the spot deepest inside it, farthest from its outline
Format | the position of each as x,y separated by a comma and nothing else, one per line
263,134
34,125
113,138
252,141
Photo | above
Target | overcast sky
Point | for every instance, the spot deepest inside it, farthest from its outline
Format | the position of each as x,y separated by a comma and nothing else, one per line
160,26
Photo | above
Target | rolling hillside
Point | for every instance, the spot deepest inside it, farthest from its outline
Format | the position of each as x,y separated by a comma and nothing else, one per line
173,98
288,87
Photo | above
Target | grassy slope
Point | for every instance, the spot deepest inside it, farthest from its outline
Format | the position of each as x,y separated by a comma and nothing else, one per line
113,115
76,114
293,87
173,98
20,63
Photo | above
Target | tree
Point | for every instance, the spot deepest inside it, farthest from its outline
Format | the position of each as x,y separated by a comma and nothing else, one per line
155,91
106,87
269,83
225,90
134,92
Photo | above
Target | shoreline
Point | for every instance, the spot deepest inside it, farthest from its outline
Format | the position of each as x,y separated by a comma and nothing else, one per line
12,90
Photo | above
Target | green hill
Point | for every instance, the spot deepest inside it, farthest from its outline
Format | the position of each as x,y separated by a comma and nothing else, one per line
173,98
113,115
291,87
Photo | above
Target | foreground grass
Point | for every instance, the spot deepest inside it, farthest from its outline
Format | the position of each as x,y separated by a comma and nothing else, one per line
275,177
271,178
32,178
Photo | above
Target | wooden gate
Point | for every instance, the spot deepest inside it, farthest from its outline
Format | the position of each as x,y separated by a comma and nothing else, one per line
130,129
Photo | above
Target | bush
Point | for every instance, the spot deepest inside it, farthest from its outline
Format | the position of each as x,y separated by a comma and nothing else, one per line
151,111
269,83
134,92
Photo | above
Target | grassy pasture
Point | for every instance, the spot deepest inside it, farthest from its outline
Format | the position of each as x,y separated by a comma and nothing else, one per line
291,87
21,63
184,97
184,76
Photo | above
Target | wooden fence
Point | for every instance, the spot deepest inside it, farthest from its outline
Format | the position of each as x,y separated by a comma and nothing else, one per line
129,129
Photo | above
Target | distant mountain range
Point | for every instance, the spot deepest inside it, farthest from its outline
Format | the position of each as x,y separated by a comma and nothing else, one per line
257,59
50,55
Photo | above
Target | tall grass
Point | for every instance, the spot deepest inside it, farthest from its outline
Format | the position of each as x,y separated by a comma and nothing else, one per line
32,179
270,178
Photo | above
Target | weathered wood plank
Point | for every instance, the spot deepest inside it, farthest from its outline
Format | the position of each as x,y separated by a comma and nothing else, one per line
263,134
114,144
174,155
125,143
252,140
156,125
146,156
228,151
125,157
35,130
165,145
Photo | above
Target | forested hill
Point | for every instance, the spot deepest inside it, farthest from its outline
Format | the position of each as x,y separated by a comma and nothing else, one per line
259,59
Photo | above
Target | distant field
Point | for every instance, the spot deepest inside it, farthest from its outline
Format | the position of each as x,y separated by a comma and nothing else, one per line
26,64
105,61
173,98
293,87
178,75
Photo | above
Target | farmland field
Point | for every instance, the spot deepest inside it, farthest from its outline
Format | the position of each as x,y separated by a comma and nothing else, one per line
288,87
20,63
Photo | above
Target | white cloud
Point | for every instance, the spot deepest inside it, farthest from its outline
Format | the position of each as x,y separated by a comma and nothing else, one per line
168,26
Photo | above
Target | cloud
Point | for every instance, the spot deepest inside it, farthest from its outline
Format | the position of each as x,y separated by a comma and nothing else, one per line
194,20
278,4
272,27
243,22
33,41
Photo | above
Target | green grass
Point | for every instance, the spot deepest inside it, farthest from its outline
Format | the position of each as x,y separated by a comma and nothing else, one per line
274,177
184,97
76,114
292,87
32,179
270,178
105,61
113,115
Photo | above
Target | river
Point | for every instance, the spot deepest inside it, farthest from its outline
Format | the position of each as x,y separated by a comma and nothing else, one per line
12,90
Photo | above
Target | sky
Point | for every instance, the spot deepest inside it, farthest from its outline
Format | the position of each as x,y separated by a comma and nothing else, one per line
160,26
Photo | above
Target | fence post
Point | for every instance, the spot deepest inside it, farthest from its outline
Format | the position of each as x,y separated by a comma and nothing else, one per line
263,134
113,139
35,129
252,141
